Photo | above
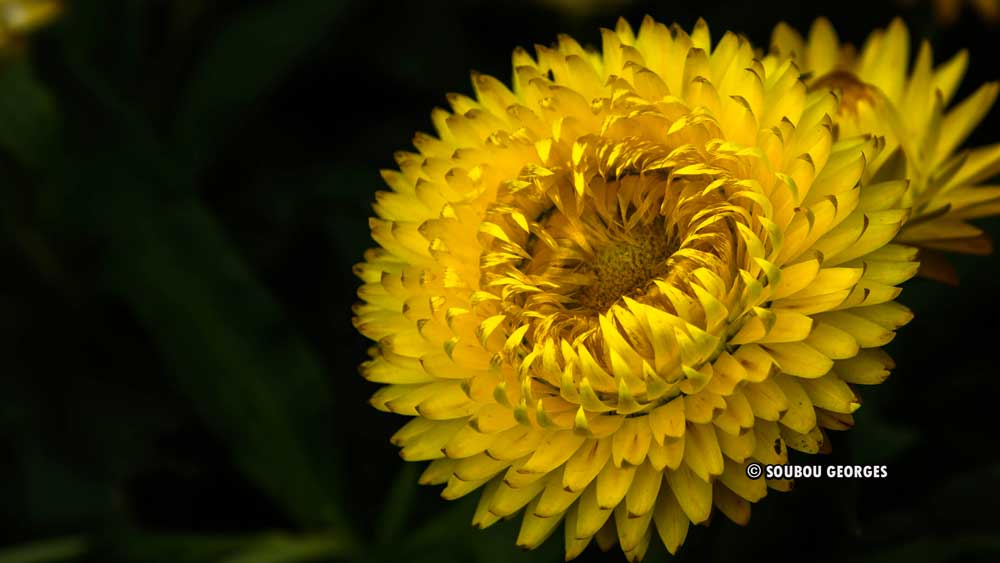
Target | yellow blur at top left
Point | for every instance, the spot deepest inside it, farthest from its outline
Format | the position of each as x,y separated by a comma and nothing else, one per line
20,18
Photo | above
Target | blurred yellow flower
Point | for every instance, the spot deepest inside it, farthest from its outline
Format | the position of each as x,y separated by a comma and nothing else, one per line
910,107
18,18
604,291
947,12
584,8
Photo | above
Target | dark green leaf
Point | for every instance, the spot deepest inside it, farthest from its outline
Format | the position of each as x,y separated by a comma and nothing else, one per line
281,548
881,440
269,547
29,122
58,549
398,503
244,63
255,383
931,550
231,350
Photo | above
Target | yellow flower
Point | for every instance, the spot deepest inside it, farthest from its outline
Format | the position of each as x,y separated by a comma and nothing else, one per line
947,12
19,18
584,8
880,95
603,292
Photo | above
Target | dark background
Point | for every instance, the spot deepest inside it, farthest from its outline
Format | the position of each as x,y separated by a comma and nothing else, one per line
184,187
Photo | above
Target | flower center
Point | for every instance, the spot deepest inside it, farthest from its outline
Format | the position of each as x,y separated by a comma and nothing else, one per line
600,271
627,267
853,90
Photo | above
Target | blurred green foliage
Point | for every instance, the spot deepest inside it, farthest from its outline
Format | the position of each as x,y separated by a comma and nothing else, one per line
184,187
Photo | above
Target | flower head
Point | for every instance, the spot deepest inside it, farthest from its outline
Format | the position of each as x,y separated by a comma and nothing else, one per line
19,18
602,292
948,12
909,107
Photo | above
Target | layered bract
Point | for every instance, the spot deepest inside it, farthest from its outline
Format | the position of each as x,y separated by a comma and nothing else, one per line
601,292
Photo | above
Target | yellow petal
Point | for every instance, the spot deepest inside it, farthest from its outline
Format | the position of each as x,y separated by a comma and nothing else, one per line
796,277
667,420
880,227
483,518
612,484
553,451
869,367
514,443
586,463
867,333
693,494
832,342
735,478
438,472
887,315
607,536
830,280
458,488
833,420
727,374
590,517
800,359
536,529
770,448
428,445
645,487
809,442
961,120
671,521
631,443
574,546
815,304
800,415
447,403
479,467
631,530
831,393
467,442
702,453
786,41
732,505
758,363
507,501
669,454
702,406
789,326
737,447
766,399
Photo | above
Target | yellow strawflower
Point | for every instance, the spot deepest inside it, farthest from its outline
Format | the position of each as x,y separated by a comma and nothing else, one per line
18,18
910,107
602,292
583,8
947,12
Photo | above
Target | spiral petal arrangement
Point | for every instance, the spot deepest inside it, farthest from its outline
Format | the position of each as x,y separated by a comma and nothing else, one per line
601,292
